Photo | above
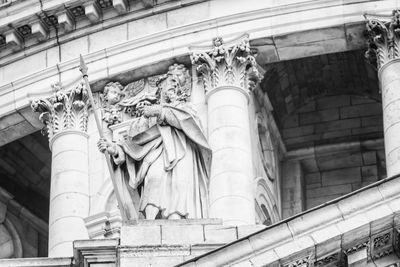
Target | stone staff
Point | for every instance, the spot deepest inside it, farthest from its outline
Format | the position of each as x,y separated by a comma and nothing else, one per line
123,209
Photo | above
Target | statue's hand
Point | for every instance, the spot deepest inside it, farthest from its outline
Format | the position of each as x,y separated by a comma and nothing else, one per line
152,111
105,145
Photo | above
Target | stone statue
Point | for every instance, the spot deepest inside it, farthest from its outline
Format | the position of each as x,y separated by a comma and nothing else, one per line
166,155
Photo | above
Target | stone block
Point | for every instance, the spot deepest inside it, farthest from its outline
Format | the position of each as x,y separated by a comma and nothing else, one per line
309,107
108,37
329,191
219,234
369,157
341,176
360,110
245,230
17,131
311,49
369,171
339,160
182,234
312,178
337,125
302,141
219,258
319,116
381,218
298,246
354,230
336,134
140,235
298,131
314,220
187,15
147,25
29,65
358,258
366,130
291,121
357,100
333,102
310,165
372,121
72,49
355,203
313,202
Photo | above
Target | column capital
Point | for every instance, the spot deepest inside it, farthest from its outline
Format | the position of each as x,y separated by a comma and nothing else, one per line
383,34
226,64
64,110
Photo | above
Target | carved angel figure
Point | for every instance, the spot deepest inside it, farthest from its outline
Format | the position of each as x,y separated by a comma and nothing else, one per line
112,96
166,155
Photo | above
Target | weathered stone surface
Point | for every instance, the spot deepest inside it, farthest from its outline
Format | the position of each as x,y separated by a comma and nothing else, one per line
341,176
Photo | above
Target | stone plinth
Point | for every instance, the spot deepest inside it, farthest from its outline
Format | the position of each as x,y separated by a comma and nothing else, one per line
170,242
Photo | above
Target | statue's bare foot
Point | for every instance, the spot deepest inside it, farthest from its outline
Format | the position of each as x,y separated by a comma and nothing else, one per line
174,216
151,212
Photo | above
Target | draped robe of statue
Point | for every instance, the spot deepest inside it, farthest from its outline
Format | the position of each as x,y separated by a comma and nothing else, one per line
170,158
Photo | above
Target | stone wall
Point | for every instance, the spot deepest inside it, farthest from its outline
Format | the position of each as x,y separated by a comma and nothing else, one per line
333,119
338,142
22,234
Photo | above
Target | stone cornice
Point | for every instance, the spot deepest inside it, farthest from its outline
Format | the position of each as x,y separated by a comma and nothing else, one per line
27,23
366,218
267,29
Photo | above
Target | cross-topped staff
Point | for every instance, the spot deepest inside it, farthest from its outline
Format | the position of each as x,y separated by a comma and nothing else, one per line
123,208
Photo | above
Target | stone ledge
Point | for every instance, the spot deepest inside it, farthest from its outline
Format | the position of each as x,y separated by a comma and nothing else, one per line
40,262
175,222
349,223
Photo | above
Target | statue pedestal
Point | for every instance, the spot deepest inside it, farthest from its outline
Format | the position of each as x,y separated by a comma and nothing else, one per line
170,242
153,242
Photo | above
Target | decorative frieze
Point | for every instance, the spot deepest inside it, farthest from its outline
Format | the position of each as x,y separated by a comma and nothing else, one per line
64,110
357,248
383,38
227,64
303,262
328,260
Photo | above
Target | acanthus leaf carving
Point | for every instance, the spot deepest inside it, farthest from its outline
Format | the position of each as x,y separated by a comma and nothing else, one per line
383,34
227,65
64,110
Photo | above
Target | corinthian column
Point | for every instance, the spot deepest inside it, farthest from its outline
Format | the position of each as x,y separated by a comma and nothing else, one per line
65,117
226,71
384,52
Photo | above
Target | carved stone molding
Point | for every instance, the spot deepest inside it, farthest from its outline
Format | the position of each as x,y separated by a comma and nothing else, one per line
64,110
328,260
383,38
303,262
231,64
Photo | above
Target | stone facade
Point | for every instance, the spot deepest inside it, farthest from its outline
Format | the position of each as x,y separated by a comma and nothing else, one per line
291,132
